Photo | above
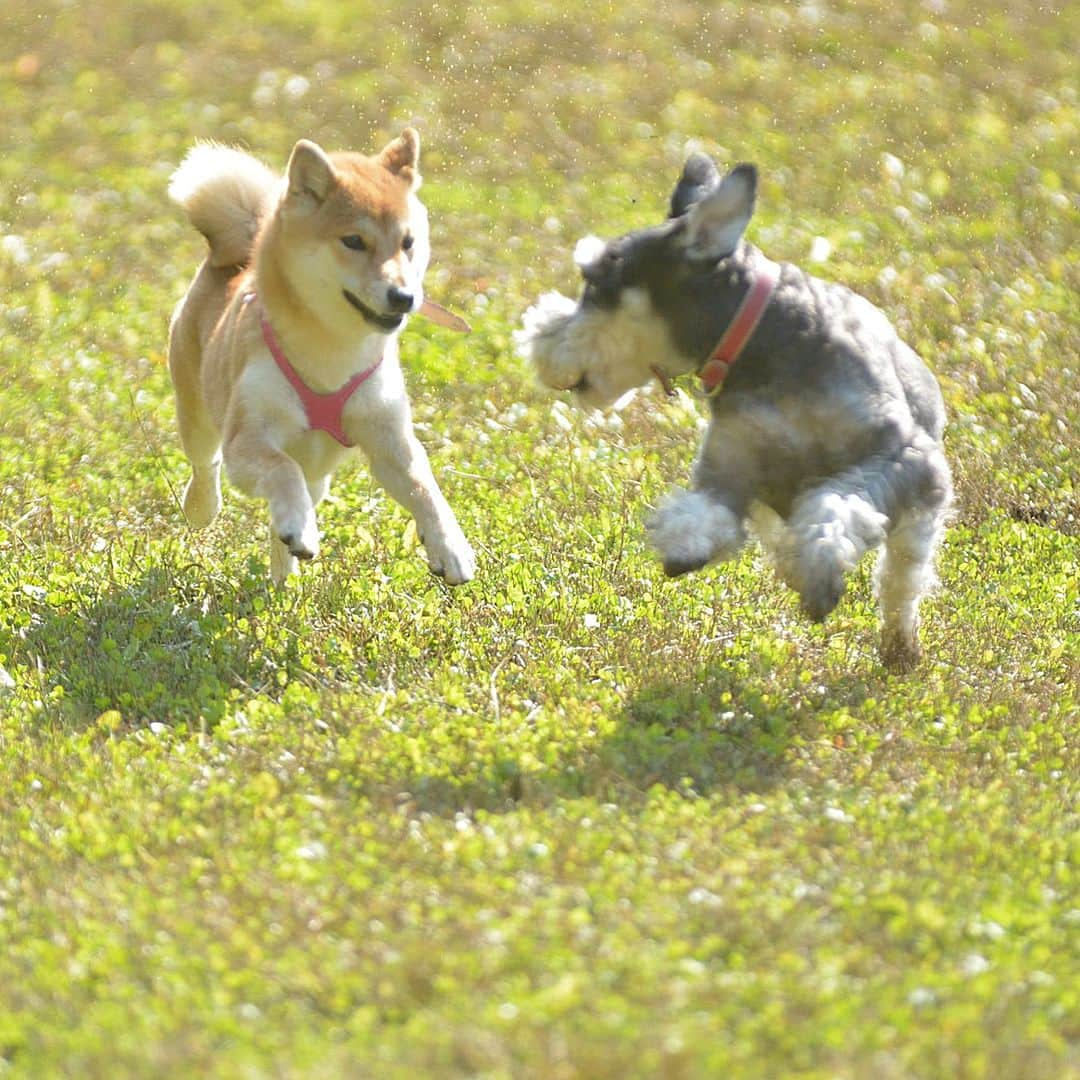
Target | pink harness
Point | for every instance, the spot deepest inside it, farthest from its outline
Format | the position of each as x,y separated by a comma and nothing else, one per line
714,371
324,411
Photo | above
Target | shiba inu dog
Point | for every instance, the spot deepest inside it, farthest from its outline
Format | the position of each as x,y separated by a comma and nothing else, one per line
283,353
827,435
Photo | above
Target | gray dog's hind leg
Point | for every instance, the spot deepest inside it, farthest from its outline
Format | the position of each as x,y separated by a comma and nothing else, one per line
830,528
898,500
905,575
906,568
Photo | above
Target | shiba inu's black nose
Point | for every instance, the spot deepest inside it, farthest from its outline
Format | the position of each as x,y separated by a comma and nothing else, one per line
399,299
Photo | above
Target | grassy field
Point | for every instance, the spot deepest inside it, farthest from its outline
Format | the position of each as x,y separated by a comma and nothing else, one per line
571,820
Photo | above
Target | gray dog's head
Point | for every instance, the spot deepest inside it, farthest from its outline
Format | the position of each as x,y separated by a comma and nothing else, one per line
646,306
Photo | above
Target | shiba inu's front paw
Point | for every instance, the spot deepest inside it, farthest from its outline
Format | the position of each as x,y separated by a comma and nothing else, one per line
299,532
452,558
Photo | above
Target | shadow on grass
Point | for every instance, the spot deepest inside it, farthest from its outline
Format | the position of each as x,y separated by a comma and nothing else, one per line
717,734
155,649
183,647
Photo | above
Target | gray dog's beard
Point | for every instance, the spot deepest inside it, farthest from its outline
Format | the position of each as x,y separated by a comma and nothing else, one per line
542,340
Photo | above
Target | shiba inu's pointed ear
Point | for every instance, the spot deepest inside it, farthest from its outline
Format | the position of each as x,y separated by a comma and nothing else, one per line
311,175
402,156
699,176
715,224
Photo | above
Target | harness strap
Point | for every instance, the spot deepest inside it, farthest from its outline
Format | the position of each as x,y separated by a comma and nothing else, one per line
324,412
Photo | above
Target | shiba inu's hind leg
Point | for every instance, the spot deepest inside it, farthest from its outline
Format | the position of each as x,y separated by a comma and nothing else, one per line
223,192
198,434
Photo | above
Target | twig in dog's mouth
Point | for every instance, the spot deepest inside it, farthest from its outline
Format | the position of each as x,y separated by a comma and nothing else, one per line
664,379
438,314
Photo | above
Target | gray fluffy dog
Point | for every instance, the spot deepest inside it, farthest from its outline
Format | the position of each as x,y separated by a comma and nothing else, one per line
825,428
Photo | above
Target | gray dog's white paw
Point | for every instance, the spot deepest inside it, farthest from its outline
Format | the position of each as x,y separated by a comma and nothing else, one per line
690,530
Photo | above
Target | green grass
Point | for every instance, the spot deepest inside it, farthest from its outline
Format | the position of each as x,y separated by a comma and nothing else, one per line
571,820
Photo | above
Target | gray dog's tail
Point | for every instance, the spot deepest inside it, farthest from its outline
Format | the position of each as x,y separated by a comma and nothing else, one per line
225,193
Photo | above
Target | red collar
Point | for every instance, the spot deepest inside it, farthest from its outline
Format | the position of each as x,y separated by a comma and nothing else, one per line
741,328
324,412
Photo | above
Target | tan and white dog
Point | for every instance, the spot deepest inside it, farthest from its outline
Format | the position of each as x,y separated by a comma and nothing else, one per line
283,352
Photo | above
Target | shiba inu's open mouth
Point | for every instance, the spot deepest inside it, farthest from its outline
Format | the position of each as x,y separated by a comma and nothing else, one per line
389,323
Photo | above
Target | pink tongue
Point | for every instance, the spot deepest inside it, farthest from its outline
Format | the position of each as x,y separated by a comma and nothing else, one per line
438,314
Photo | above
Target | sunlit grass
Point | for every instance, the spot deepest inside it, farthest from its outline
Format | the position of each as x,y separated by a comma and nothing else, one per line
573,819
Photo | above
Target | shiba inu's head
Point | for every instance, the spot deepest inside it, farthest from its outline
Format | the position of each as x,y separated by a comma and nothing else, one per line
351,237
653,301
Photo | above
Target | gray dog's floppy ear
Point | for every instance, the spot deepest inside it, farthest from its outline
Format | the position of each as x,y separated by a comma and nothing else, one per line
699,176
715,224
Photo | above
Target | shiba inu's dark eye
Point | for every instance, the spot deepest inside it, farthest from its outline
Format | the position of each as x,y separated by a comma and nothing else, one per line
354,243
407,242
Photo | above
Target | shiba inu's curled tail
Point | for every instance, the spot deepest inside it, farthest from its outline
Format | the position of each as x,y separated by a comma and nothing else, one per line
225,193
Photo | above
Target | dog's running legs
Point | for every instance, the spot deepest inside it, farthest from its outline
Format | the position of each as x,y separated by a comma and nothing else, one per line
400,464
905,574
258,468
830,528
693,528
202,495
282,561
198,435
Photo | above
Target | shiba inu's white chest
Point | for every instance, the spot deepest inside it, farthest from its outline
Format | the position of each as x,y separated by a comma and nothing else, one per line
267,396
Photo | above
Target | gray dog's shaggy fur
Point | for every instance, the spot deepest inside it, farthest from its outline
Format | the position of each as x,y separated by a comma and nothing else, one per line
827,430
